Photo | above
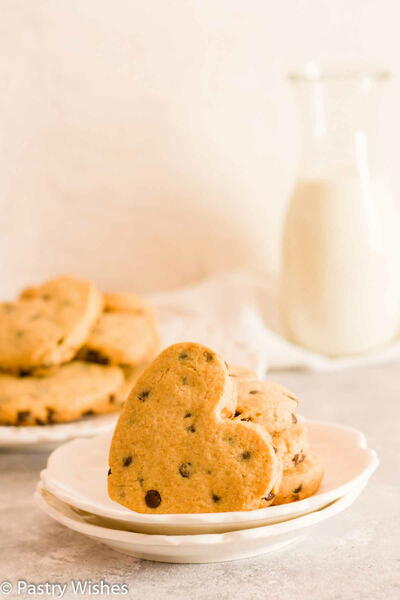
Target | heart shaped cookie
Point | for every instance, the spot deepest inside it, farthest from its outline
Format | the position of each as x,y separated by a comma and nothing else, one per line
175,448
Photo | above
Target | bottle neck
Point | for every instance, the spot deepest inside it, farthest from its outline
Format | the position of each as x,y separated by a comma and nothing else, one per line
339,127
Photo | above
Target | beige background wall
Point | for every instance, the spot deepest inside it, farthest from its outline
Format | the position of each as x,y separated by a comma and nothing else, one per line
145,142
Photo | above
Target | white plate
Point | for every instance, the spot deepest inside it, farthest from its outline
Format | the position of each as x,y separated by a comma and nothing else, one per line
77,474
203,548
44,437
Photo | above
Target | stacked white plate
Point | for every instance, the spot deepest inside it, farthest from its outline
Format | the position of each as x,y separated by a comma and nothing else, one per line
73,491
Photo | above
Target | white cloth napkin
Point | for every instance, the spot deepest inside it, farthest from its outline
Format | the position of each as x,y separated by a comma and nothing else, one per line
236,314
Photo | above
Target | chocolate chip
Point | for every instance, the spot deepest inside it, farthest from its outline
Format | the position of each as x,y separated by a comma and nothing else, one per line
183,356
298,489
253,392
126,461
22,416
111,398
275,450
237,413
294,418
109,472
24,372
152,498
185,381
60,341
88,413
50,414
270,496
187,415
246,419
245,455
215,498
39,421
97,357
186,470
298,458
208,356
191,428
144,395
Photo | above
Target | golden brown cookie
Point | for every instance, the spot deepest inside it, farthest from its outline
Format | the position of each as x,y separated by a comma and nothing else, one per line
48,324
300,481
76,389
125,334
291,444
174,450
121,339
266,403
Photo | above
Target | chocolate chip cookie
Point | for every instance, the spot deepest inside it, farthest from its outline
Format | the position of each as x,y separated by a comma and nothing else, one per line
74,390
301,480
175,451
125,333
291,444
48,324
267,403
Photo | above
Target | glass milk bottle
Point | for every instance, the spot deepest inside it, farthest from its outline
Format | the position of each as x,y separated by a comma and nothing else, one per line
340,291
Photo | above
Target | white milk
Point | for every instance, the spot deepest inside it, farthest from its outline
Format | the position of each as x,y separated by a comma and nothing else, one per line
341,277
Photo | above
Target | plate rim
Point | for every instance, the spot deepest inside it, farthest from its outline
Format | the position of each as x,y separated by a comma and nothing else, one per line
185,540
184,519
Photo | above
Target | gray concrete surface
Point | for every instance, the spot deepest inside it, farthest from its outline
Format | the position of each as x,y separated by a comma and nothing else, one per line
354,556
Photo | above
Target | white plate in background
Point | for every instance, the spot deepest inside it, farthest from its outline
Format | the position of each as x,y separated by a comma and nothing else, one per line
45,437
77,475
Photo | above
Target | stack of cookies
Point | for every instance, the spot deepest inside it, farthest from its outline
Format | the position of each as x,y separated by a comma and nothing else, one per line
195,437
68,351
274,408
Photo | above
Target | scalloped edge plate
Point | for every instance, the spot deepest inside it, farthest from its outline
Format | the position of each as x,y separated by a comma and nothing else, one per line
202,548
77,475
